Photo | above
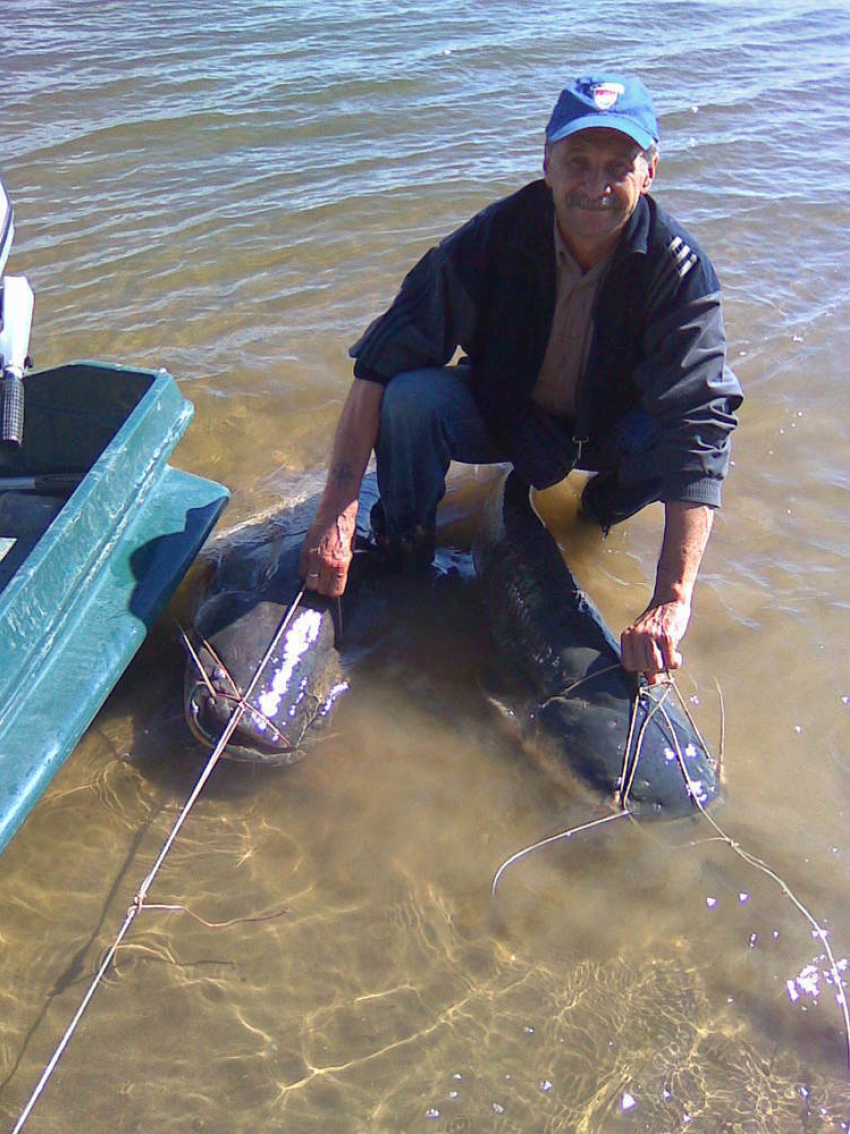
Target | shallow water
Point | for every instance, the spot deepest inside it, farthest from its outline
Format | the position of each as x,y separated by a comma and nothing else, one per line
233,193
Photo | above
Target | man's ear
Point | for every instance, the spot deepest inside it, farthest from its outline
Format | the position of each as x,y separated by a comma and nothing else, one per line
649,177
546,163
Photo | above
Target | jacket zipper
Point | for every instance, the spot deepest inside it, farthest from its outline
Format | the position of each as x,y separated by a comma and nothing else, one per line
581,408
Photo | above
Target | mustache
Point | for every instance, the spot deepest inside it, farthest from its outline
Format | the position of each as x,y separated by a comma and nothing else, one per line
596,204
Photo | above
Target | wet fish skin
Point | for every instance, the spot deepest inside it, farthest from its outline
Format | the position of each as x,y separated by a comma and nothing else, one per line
251,584
301,681
252,580
559,640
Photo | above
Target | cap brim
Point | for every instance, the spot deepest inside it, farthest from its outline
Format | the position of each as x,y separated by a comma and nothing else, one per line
605,122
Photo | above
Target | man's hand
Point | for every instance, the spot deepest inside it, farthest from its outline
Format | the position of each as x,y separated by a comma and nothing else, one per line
650,644
326,554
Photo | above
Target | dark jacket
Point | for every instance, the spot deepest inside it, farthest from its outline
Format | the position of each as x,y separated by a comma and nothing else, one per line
658,340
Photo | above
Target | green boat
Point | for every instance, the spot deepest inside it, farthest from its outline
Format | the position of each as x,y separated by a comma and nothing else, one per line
96,531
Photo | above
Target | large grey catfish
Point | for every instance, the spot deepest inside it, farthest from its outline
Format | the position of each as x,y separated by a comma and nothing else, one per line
621,736
253,581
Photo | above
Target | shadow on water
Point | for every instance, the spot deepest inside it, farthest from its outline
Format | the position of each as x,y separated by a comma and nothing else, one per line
160,561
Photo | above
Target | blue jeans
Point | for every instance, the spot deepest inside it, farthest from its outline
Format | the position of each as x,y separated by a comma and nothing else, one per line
429,418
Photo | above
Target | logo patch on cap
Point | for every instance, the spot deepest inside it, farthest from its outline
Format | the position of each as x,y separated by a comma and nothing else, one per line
606,94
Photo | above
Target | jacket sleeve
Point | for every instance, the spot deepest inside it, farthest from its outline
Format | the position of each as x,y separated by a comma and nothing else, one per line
436,311
684,380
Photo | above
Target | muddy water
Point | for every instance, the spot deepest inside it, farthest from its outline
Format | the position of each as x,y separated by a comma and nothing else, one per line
233,194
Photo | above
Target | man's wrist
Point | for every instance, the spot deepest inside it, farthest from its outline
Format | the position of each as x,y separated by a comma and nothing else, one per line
667,592
342,490
331,510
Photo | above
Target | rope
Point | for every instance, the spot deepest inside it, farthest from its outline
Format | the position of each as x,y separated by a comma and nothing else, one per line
750,859
760,864
139,899
215,924
627,774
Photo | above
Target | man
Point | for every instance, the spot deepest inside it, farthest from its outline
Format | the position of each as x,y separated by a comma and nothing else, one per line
593,338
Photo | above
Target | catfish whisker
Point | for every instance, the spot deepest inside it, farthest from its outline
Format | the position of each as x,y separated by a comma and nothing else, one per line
626,787
225,671
553,839
249,709
193,654
235,697
722,746
562,694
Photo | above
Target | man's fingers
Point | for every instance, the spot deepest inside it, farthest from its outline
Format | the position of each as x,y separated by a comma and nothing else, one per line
329,575
649,656
668,655
650,645
654,676
640,653
324,565
309,567
336,582
653,660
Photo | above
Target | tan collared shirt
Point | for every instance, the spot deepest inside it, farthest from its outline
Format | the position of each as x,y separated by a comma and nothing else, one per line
572,328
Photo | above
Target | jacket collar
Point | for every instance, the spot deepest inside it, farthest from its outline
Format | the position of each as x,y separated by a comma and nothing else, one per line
635,236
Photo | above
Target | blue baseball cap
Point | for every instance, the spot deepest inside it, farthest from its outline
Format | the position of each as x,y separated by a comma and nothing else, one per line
612,101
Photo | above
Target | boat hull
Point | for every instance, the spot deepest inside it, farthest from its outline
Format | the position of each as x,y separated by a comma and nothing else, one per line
76,610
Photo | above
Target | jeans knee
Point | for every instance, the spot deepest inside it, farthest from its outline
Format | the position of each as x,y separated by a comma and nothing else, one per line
406,408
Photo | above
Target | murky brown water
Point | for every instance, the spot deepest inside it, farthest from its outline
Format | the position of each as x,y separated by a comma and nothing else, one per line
232,194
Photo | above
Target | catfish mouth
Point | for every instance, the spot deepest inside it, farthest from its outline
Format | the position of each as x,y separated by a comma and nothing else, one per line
652,762
281,704
256,738
668,750
210,704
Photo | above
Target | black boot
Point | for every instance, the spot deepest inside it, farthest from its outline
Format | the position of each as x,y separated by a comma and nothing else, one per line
402,551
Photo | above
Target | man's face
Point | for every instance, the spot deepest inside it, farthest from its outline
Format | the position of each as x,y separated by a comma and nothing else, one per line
597,177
